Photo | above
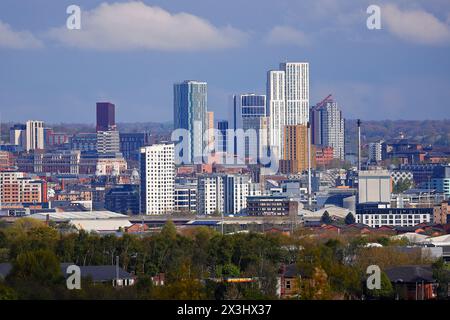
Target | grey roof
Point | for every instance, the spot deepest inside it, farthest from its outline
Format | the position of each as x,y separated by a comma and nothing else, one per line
410,274
99,273
5,269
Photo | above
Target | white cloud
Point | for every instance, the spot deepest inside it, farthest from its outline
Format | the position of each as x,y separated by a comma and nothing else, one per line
285,35
12,39
135,25
415,25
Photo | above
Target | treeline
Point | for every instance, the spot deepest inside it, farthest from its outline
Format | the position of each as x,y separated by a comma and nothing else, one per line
434,132
193,263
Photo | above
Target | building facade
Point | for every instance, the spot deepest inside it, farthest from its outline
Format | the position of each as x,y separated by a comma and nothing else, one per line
190,113
328,127
374,186
18,190
157,164
34,135
106,116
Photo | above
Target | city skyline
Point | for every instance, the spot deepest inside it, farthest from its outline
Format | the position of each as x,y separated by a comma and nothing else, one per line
385,69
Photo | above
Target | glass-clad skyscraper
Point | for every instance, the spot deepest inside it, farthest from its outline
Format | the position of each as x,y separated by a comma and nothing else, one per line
190,108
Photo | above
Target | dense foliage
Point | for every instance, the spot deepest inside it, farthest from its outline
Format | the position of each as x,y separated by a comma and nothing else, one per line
194,263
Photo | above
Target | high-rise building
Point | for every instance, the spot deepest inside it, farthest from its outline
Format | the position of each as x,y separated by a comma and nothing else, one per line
276,109
108,142
190,113
157,164
249,113
375,151
106,116
221,140
210,128
295,149
210,197
288,101
34,135
328,127
236,190
297,92
17,135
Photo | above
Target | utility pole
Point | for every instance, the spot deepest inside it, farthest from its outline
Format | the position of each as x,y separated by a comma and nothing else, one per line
359,145
117,270
309,165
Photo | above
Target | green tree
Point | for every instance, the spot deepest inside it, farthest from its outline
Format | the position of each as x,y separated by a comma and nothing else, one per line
402,185
169,230
7,293
385,292
41,266
326,218
442,276
349,219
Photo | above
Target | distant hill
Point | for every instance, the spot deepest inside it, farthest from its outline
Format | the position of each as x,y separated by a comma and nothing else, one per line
434,132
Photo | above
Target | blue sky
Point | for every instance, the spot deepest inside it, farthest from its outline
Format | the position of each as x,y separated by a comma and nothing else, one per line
130,53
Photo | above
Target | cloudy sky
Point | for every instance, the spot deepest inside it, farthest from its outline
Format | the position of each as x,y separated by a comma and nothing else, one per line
131,53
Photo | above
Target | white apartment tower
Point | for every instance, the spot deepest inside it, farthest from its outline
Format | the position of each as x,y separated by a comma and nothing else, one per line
34,135
157,164
288,100
297,92
276,109
210,196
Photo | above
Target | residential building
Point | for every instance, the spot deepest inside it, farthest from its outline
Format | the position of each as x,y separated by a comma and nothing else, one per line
190,113
17,190
376,151
236,189
210,194
276,100
157,164
34,135
376,215
295,149
185,198
328,126
288,100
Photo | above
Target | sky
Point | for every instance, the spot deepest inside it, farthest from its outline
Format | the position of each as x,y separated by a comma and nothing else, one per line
131,53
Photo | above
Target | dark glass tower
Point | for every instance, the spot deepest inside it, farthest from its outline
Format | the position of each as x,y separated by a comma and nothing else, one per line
106,119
